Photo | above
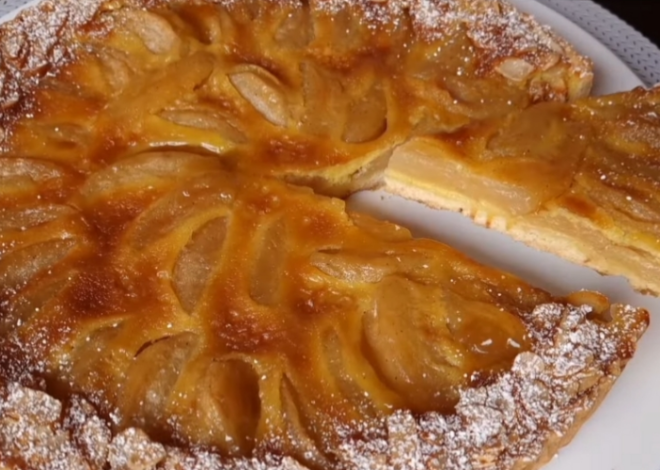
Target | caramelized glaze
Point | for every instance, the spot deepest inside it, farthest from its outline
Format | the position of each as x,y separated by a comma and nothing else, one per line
234,311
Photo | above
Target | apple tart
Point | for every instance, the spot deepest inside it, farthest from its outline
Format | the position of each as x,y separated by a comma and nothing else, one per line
179,289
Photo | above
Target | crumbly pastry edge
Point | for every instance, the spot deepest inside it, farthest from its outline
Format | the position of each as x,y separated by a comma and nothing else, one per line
33,45
518,422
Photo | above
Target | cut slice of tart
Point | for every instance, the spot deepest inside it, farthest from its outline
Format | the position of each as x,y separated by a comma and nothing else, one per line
258,320
580,180
317,93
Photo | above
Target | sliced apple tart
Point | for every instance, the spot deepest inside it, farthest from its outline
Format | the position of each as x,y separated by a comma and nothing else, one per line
178,288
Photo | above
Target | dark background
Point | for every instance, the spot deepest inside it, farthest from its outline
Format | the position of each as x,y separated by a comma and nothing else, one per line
643,15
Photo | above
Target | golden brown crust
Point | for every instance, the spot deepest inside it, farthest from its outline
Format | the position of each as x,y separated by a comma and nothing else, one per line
41,39
36,44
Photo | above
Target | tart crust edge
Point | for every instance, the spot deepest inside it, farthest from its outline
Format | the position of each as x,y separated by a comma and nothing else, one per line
519,422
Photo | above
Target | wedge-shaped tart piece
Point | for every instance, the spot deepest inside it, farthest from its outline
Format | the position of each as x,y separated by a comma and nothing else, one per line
318,92
581,180
259,320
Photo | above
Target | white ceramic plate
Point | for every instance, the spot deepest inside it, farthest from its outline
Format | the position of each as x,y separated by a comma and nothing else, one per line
624,434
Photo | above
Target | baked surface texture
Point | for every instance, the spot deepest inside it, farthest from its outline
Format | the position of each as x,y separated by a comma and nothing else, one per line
179,288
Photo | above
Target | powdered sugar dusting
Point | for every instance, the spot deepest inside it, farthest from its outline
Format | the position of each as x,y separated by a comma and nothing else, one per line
30,433
132,449
89,433
531,407
497,29
34,44
519,418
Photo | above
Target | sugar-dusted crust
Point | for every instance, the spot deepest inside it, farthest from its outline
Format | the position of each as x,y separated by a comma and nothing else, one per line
518,422
34,45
